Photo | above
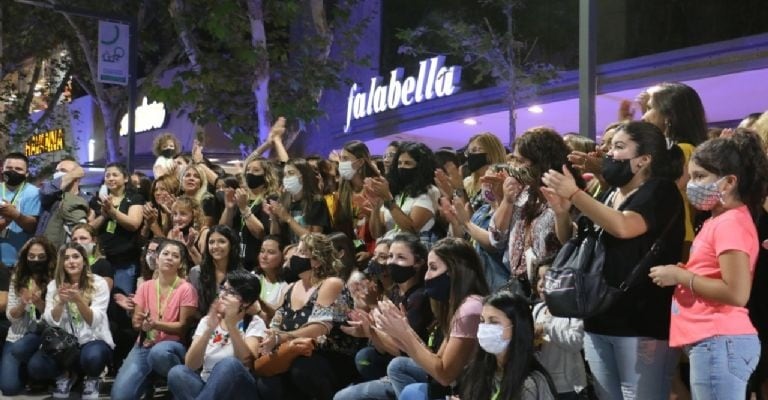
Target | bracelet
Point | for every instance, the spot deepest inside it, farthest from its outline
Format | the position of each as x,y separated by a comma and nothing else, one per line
570,198
247,215
388,204
690,284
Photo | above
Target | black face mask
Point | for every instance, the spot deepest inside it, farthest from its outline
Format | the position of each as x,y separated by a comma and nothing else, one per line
439,287
476,161
13,178
374,268
253,181
406,175
289,276
167,153
220,196
617,173
401,274
37,267
300,264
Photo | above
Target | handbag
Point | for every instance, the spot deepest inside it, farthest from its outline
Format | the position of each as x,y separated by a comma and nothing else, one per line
280,361
575,287
61,345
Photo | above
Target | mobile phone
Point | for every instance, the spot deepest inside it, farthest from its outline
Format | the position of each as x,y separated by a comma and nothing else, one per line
103,192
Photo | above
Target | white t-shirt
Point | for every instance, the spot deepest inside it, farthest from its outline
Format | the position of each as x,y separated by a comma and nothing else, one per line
219,345
406,204
272,293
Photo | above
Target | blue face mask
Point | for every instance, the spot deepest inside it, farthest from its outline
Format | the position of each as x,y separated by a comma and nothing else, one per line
439,287
704,197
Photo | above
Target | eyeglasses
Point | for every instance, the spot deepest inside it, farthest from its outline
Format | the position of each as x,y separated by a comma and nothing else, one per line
228,290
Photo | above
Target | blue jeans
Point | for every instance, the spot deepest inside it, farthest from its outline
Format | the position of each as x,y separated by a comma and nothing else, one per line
379,389
125,277
132,380
721,366
15,354
94,357
229,379
403,371
630,367
371,364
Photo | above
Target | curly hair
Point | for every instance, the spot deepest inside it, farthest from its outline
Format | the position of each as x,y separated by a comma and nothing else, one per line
321,249
270,175
424,175
189,203
161,140
22,274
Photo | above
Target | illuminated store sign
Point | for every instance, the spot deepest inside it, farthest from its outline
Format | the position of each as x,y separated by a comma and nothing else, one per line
433,81
148,117
45,142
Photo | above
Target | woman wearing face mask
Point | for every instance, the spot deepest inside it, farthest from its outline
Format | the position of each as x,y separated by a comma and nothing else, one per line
709,318
505,368
403,198
316,305
86,236
26,304
224,342
244,208
301,209
454,280
642,202
269,271
220,257
76,301
406,263
475,225
118,221
351,215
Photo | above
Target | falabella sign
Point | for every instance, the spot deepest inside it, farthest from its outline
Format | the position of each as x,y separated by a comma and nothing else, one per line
434,80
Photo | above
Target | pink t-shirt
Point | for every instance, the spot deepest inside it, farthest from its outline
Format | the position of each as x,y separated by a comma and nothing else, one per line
695,318
467,318
184,295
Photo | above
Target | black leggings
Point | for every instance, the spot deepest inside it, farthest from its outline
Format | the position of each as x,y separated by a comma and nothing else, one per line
318,376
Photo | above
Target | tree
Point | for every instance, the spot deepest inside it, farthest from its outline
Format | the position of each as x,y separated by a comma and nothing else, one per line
248,50
491,52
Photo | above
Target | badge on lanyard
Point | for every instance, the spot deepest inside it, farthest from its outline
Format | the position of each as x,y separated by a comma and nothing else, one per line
111,226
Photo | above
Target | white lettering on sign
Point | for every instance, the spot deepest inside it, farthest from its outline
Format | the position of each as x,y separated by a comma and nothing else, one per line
148,117
433,81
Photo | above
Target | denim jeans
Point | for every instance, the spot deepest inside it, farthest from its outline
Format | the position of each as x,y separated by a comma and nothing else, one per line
403,371
16,354
125,277
630,367
371,364
721,366
229,379
94,357
132,380
379,389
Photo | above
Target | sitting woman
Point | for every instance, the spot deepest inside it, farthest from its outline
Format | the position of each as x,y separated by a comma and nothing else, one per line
26,303
163,309
220,257
225,340
76,301
315,307
455,281
506,368
269,271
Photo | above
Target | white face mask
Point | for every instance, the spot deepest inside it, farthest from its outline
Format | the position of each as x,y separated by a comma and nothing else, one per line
292,184
56,180
346,170
490,338
151,262
89,248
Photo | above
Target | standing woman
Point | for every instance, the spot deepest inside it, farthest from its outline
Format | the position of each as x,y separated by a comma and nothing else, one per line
219,258
118,222
454,280
316,305
302,208
163,311
709,318
26,303
244,211
76,301
627,346
195,185
85,235
403,198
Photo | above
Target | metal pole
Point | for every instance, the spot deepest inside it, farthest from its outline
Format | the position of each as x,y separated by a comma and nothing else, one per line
587,67
132,93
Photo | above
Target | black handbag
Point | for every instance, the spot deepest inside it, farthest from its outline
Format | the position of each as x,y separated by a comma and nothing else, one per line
575,287
61,345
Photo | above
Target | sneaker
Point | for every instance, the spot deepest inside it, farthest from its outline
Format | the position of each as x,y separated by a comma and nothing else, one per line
91,388
63,386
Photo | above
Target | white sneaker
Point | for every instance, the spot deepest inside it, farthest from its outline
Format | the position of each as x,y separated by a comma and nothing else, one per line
90,388
63,386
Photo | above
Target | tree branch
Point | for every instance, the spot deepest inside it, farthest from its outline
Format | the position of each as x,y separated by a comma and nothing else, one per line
177,10
89,58
53,100
30,95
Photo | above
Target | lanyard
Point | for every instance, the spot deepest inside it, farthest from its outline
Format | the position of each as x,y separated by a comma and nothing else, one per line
161,305
15,195
31,308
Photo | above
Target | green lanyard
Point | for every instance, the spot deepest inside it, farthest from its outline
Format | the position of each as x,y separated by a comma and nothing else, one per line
15,195
161,307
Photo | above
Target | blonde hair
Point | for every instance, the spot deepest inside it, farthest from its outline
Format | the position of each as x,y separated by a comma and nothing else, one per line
270,175
761,127
495,154
85,284
321,248
157,145
192,205
203,181
94,238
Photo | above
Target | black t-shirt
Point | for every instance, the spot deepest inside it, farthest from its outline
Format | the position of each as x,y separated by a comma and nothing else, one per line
417,309
103,268
316,215
121,246
758,298
250,256
644,309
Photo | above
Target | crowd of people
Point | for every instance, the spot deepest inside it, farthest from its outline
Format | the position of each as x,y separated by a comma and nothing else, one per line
416,274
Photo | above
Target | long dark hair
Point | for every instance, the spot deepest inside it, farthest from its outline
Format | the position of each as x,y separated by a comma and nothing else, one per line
467,278
425,170
417,248
344,212
519,363
741,155
683,111
310,191
667,162
22,274
208,284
